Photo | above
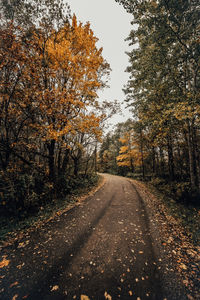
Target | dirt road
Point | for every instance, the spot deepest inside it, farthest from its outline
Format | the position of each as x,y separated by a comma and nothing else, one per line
106,248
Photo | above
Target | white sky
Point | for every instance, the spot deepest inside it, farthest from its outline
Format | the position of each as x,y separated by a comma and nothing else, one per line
111,25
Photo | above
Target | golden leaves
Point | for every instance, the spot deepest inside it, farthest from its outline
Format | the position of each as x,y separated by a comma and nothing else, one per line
14,284
107,296
84,297
130,152
54,288
50,87
183,266
4,263
130,293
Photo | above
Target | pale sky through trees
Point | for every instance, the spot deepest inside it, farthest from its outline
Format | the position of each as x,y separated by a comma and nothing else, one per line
111,25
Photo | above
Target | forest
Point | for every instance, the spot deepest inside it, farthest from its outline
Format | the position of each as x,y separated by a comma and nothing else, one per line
52,122
50,116
90,209
161,142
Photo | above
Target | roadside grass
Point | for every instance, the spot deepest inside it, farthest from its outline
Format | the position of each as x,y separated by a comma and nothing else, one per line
12,226
181,202
187,214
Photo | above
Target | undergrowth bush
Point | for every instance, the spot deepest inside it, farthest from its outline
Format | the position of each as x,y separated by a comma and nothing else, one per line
179,191
26,192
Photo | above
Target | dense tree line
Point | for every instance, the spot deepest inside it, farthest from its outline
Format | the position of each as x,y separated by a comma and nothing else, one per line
163,92
50,116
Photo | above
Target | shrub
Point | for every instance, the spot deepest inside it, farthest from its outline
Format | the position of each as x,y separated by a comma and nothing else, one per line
179,191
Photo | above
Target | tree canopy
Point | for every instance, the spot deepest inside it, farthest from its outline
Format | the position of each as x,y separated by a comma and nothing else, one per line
51,70
163,89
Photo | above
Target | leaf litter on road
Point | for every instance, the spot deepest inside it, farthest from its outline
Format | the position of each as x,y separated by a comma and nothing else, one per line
54,288
176,242
84,297
107,296
4,263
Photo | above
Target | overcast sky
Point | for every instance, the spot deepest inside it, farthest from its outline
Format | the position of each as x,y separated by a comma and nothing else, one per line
111,25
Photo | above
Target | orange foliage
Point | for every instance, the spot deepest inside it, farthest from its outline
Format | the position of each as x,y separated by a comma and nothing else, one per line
49,85
130,153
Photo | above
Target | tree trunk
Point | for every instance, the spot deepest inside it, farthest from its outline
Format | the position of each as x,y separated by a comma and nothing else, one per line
191,157
179,161
65,161
95,158
5,160
59,161
162,162
142,154
132,165
76,166
51,148
153,161
76,160
197,157
86,167
170,158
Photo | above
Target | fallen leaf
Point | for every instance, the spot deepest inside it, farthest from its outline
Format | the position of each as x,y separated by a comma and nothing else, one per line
130,293
170,240
107,296
23,244
84,297
4,263
14,283
185,282
55,288
184,267
20,266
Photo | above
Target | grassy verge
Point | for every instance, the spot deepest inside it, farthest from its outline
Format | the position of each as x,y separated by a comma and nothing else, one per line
181,202
188,215
13,226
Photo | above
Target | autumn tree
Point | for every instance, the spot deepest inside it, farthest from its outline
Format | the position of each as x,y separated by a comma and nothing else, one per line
132,152
50,74
163,89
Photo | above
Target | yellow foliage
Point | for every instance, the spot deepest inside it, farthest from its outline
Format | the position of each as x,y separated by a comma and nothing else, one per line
130,153
4,263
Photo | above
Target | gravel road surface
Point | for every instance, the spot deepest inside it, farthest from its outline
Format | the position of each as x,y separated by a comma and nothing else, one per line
108,247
